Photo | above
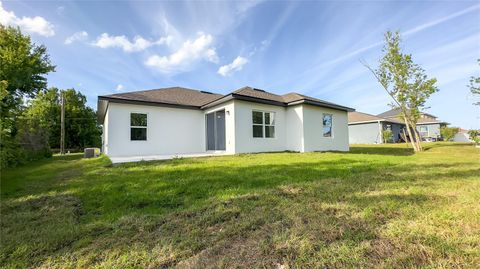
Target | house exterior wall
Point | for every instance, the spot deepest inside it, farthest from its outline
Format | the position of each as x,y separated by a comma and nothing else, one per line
244,140
294,129
433,130
365,133
396,131
172,131
229,124
313,129
169,131
462,137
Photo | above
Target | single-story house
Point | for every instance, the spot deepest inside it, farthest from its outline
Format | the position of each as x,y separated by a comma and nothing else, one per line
365,128
428,125
462,136
181,121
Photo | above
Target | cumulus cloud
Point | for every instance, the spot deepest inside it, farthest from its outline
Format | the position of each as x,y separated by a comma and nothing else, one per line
137,44
120,88
78,36
189,52
36,25
232,67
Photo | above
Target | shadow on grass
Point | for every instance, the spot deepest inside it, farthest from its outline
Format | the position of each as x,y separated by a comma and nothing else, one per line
208,212
393,151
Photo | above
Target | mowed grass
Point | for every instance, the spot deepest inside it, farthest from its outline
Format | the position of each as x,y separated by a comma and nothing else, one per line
376,206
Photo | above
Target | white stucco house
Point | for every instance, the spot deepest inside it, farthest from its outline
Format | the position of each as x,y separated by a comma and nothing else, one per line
178,121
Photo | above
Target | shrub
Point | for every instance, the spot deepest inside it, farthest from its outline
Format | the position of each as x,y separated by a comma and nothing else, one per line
387,136
448,132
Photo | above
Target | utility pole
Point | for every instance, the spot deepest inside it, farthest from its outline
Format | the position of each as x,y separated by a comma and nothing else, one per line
62,124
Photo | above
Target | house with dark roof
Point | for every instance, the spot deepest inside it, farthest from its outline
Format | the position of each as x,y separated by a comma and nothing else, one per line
179,121
428,125
365,128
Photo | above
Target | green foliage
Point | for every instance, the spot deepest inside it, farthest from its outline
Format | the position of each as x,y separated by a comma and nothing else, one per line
475,135
387,135
81,129
23,68
448,133
377,206
475,85
405,81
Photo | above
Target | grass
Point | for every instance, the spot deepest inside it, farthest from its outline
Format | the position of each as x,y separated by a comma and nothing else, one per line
376,206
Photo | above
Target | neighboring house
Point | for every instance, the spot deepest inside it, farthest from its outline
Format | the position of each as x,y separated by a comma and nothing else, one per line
462,136
175,121
428,125
365,128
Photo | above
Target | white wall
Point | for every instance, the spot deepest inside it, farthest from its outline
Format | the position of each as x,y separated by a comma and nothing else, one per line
229,124
294,128
105,134
245,142
169,131
313,129
365,133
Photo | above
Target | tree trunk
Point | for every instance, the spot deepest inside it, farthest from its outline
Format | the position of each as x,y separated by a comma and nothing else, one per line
417,137
411,137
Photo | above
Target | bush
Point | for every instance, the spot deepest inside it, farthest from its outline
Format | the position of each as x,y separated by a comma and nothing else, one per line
387,136
448,132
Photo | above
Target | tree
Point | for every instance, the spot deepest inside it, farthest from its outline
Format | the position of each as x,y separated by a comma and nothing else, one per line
475,135
475,85
405,82
448,132
387,135
81,129
23,69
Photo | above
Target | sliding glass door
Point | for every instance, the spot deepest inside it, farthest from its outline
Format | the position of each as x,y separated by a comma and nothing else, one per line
215,124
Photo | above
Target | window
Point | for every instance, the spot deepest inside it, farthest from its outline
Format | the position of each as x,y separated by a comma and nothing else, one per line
327,125
138,126
423,131
263,124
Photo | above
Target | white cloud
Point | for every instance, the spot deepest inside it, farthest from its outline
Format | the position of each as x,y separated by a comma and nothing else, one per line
37,25
78,36
189,52
120,88
137,44
232,67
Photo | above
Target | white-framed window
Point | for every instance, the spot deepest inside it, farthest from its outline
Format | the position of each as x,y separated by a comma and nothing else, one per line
138,126
423,131
327,125
263,124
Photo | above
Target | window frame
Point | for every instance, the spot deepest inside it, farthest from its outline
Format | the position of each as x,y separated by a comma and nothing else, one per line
264,125
331,125
139,127
425,133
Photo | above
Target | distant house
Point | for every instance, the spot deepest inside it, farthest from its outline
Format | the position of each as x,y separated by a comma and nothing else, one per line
428,125
179,121
365,128
462,136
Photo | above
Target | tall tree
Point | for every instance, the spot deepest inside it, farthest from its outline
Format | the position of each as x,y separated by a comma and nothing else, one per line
23,70
81,129
405,82
475,86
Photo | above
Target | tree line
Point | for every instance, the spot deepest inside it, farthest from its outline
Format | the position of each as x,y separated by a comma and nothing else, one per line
30,112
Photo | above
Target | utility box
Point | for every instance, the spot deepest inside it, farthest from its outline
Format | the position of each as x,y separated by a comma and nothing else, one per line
91,152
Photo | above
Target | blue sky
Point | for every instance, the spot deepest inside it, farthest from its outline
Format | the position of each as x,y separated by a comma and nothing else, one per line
312,48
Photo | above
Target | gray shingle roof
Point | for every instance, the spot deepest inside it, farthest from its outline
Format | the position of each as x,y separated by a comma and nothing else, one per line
360,117
188,98
174,96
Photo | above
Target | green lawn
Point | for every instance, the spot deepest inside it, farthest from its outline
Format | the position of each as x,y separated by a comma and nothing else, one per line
380,206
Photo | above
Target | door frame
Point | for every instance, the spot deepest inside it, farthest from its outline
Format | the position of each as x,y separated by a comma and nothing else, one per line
215,130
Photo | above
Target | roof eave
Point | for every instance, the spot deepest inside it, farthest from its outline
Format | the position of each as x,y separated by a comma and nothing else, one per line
322,104
147,103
